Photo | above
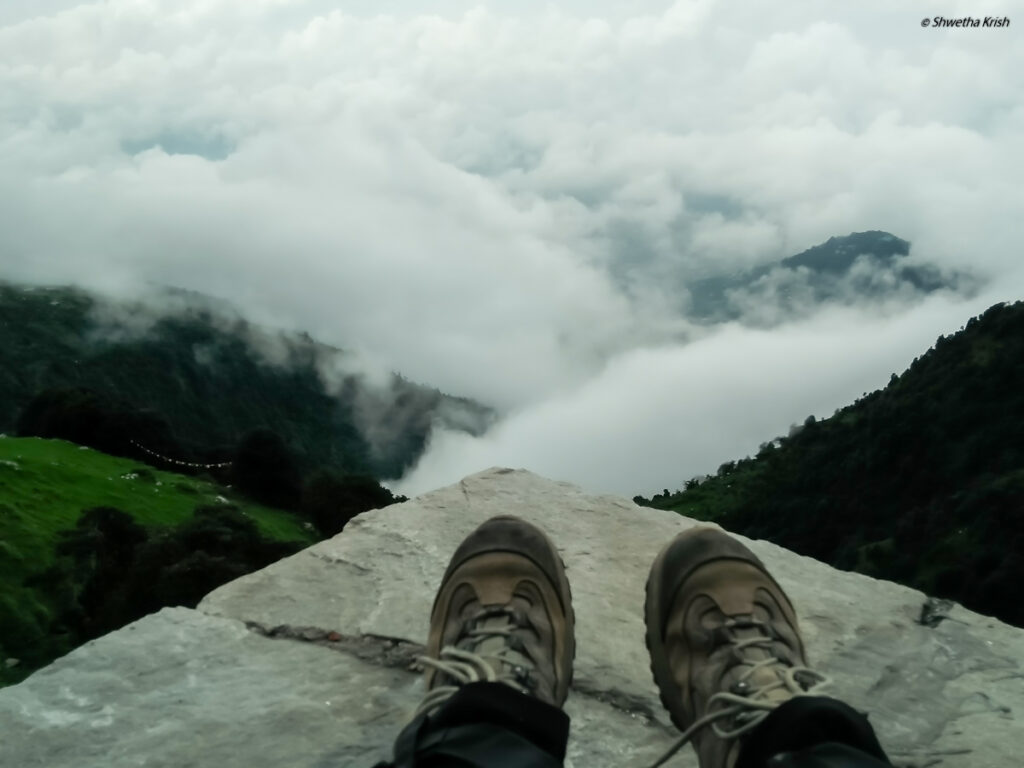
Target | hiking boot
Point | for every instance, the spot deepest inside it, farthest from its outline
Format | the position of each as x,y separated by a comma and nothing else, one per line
724,643
503,614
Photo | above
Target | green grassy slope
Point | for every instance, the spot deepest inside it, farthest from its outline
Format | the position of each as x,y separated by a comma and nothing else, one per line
44,486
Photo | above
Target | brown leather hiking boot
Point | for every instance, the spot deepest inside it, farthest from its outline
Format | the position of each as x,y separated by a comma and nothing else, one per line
724,643
503,613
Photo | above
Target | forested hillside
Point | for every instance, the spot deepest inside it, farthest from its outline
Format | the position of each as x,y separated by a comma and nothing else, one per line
921,482
282,440
196,378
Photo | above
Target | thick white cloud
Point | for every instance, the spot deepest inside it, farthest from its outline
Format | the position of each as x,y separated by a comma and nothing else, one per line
656,417
506,202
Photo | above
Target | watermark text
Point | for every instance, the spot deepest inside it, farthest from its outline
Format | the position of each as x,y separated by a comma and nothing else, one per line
940,22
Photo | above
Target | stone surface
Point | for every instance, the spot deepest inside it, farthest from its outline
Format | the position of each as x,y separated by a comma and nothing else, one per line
180,688
245,679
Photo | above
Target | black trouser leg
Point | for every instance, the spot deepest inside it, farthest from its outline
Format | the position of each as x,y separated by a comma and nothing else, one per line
813,732
486,725
490,725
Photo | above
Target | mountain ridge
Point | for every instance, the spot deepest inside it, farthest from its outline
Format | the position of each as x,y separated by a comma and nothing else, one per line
212,377
861,266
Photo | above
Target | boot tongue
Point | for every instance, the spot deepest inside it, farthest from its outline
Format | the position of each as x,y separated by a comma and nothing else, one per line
745,680
488,645
500,650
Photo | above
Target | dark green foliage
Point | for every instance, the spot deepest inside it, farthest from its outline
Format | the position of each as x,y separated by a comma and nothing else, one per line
69,414
922,482
210,374
82,416
101,549
125,572
180,567
66,576
330,500
266,471
103,539
28,636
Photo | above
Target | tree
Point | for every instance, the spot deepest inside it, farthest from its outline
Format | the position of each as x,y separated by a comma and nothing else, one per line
101,548
72,414
266,471
125,573
331,500
82,416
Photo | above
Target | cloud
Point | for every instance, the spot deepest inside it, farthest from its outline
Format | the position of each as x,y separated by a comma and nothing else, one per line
656,417
505,203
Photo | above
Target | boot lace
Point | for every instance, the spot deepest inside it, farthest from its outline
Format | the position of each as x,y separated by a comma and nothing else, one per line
488,636
745,704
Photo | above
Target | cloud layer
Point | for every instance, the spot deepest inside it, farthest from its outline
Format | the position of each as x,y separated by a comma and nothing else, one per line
508,204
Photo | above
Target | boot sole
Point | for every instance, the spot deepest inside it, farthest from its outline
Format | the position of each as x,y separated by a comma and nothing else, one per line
570,615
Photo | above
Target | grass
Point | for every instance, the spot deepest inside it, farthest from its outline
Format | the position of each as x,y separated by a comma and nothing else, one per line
45,485
714,496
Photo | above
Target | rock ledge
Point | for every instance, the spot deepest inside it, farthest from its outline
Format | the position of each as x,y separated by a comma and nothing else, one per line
306,663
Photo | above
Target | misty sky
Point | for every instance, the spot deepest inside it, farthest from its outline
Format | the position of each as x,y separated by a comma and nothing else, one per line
508,203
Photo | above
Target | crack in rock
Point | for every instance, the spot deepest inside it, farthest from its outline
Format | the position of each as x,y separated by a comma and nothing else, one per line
629,704
390,652
396,653
334,560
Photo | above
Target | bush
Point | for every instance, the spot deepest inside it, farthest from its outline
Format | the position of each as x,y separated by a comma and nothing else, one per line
266,471
330,500
125,573
82,416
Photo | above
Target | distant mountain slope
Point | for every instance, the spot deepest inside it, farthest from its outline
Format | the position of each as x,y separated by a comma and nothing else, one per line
838,254
921,482
860,266
214,376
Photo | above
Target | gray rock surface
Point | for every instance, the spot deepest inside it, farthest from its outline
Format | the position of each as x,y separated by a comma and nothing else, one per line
306,663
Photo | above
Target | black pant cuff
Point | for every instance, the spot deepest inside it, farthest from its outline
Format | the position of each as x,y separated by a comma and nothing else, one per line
804,722
544,725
